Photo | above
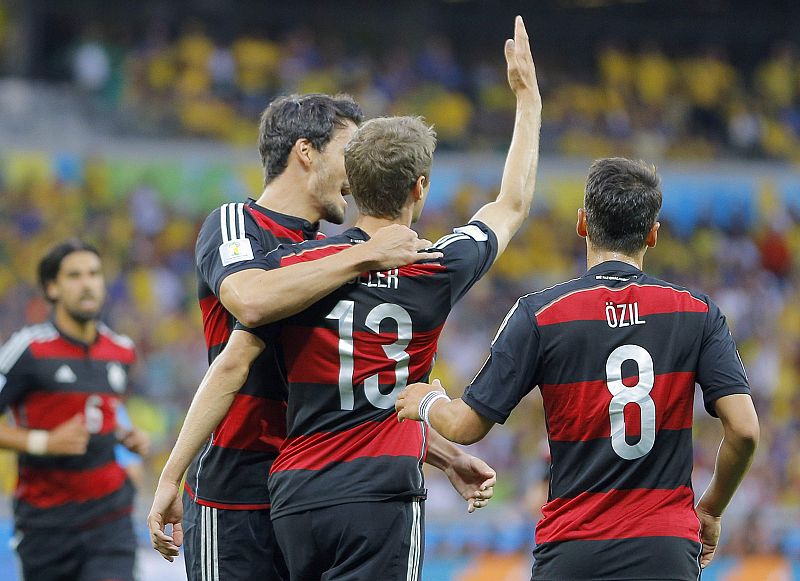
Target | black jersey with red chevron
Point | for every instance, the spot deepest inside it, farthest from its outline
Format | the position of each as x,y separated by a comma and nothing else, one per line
46,378
229,472
348,356
616,354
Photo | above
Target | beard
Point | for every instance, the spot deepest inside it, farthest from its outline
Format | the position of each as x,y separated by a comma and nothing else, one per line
332,212
83,316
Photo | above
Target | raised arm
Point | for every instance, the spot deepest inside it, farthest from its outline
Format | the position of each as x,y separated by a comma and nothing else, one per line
212,401
506,214
256,297
735,455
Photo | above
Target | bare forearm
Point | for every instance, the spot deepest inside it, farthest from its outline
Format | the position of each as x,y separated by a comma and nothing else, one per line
458,422
209,406
519,173
507,213
272,295
441,452
13,437
733,460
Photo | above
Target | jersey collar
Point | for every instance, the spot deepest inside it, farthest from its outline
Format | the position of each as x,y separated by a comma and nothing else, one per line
613,266
74,340
308,229
356,234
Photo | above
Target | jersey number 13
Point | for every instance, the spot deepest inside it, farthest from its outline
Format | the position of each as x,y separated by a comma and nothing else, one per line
343,313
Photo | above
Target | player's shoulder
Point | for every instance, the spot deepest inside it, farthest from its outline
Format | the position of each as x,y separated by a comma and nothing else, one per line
308,250
120,340
16,345
474,231
537,300
115,346
227,221
690,294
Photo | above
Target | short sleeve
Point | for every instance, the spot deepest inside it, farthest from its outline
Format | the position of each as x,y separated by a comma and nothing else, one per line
267,333
16,372
468,254
230,240
510,372
720,371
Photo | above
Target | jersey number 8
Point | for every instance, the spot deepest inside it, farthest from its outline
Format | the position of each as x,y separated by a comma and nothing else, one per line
638,394
343,312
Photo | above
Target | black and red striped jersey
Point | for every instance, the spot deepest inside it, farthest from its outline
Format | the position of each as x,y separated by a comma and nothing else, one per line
616,355
229,472
46,378
348,356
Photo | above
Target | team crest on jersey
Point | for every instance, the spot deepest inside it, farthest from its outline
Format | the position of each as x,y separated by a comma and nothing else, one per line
64,374
116,377
235,251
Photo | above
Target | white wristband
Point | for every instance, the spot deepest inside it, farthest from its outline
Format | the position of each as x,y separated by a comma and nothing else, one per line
37,442
426,403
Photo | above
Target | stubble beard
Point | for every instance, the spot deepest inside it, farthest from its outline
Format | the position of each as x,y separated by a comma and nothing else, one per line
333,213
83,317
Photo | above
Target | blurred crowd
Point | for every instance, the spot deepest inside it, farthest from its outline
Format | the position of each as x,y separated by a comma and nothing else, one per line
642,101
147,242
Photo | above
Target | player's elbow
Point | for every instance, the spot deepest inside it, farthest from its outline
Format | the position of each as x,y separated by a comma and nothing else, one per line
231,368
465,438
466,433
518,213
520,206
250,317
251,312
747,435
744,433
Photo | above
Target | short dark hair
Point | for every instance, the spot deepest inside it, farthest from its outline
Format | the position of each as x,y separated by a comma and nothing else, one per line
622,200
292,117
50,265
384,159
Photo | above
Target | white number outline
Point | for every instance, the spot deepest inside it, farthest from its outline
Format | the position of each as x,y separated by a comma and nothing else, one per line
638,394
93,414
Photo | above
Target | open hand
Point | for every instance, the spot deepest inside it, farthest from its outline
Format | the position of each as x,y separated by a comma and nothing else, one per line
396,245
474,480
521,70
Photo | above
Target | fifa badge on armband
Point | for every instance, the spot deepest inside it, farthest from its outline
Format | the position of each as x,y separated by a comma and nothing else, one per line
235,251
117,378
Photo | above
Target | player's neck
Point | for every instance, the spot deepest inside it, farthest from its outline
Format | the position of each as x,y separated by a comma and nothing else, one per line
83,331
286,197
371,224
595,256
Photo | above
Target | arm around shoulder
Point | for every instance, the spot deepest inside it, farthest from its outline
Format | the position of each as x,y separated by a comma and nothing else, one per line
257,297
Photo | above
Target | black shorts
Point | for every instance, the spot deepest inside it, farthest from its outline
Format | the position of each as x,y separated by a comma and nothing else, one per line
360,541
230,545
105,552
637,559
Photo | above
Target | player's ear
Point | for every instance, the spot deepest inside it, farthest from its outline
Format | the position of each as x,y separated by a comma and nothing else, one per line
302,151
418,191
652,236
580,227
51,291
